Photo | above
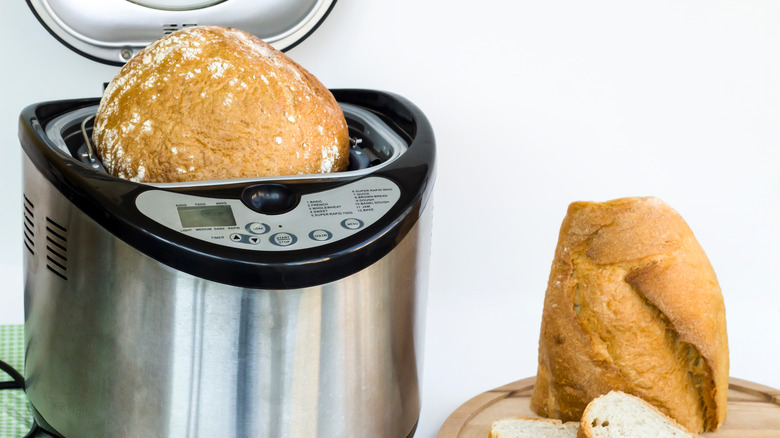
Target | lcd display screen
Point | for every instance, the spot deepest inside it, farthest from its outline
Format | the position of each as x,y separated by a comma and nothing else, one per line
208,216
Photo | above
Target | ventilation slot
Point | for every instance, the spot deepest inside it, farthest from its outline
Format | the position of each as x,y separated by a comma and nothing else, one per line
56,248
170,28
29,225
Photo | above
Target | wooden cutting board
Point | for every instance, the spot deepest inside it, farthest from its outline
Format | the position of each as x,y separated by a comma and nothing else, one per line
753,411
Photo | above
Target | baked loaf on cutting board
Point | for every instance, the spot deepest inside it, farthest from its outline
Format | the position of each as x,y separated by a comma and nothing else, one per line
208,103
633,305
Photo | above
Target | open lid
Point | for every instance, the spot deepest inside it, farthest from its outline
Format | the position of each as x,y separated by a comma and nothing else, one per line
112,31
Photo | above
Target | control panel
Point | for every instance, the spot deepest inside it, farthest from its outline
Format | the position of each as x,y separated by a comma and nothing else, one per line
318,219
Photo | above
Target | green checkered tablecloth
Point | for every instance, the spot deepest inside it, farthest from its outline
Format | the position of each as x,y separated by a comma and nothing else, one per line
15,417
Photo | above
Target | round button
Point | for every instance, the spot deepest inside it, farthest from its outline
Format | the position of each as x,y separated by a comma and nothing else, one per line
352,224
254,240
258,228
283,239
320,235
235,237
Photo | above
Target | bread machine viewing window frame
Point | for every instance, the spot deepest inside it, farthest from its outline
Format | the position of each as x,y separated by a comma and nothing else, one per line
70,134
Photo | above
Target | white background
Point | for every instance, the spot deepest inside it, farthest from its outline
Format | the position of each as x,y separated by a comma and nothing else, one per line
535,105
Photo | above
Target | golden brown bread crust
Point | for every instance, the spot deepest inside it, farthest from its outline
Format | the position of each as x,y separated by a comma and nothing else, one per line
209,103
632,304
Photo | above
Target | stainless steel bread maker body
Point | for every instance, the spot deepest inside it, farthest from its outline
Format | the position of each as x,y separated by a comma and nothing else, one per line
272,307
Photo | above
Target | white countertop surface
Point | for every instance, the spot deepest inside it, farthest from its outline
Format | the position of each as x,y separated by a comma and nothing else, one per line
534,105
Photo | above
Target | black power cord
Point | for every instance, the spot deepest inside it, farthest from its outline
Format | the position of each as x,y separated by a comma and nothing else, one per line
16,383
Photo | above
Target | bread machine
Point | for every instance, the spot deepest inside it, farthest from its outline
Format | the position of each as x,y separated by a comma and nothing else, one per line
269,307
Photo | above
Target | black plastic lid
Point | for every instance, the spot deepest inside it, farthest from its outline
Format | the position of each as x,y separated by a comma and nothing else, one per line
110,202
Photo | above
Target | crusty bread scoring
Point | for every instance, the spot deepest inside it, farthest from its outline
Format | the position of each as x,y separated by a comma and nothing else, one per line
632,304
209,103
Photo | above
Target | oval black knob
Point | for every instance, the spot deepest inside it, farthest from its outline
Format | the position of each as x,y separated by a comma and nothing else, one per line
269,198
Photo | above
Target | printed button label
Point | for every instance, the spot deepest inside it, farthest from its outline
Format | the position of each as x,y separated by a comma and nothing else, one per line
258,228
352,224
320,235
283,239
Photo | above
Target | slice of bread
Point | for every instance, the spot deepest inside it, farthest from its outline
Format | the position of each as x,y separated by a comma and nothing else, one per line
527,427
621,415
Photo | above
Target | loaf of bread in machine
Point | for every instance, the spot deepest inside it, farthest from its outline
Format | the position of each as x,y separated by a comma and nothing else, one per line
633,305
208,103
